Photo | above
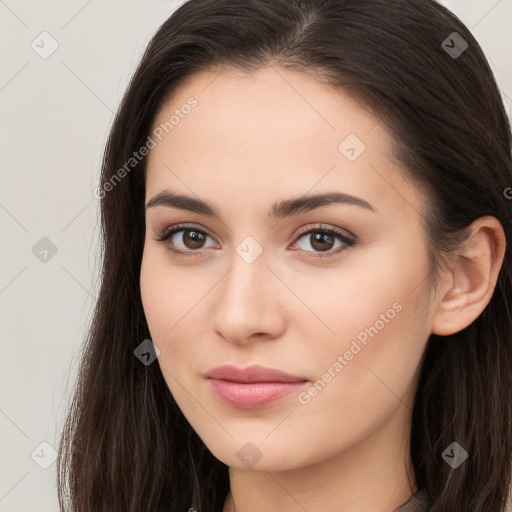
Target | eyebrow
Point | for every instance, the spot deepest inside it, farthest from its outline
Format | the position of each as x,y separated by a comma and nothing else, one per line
279,210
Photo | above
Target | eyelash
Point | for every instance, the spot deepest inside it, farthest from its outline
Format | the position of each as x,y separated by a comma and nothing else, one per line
168,232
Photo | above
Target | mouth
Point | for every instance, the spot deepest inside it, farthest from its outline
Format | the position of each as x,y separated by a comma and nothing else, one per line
252,387
252,395
253,373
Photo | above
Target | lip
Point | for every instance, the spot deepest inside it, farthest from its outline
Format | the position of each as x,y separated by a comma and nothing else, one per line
252,387
253,373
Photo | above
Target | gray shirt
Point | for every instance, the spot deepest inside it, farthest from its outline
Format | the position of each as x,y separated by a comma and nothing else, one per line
419,502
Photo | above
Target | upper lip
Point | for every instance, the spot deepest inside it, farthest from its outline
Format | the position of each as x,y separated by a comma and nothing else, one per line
253,373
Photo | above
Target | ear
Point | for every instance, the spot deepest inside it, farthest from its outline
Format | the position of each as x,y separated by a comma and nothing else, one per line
473,277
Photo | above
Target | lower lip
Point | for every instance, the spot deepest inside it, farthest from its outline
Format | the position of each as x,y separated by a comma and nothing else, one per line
252,395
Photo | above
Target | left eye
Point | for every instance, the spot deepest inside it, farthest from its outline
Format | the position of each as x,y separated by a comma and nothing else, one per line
321,239
193,239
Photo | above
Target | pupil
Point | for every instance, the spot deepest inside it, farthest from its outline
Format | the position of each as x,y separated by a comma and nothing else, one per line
322,237
197,239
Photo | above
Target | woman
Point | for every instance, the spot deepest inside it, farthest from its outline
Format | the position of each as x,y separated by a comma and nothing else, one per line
304,301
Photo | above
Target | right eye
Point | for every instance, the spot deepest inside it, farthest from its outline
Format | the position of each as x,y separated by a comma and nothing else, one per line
192,236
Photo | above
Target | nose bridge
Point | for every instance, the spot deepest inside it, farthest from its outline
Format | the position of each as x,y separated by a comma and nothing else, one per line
246,300
247,278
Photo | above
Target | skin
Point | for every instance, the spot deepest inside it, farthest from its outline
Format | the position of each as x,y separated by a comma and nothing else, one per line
255,139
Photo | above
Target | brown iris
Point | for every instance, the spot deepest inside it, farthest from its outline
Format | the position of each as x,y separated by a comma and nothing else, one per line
321,239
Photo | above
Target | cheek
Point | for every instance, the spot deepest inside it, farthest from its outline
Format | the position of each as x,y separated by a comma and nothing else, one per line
162,309
151,293
378,319
165,291
372,381
173,303
161,296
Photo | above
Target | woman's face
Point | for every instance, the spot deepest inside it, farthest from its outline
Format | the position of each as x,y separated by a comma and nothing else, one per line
350,315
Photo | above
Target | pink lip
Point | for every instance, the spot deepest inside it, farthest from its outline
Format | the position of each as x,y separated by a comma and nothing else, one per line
253,373
251,387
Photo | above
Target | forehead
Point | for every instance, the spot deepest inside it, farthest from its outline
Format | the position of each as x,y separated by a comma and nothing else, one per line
274,101
272,132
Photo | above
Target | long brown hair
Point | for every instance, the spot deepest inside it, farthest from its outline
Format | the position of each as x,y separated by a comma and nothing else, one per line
126,446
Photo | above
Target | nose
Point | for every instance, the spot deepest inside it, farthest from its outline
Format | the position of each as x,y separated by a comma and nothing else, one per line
249,302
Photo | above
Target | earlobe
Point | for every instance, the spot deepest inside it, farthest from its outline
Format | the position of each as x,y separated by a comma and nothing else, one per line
473,278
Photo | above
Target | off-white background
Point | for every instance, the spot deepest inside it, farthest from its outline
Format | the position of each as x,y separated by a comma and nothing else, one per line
55,116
